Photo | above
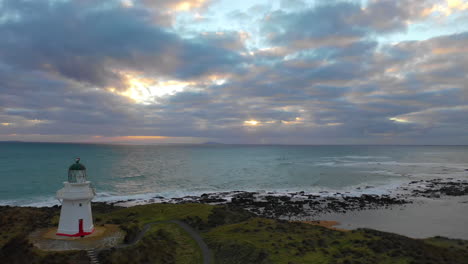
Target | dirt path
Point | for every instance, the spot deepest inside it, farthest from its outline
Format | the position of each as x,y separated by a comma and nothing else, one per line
207,255
196,236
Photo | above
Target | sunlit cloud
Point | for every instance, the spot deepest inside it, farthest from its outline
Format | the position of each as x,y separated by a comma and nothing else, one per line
446,8
188,5
449,50
127,3
217,79
131,138
145,90
334,124
274,51
296,121
34,122
399,120
27,123
252,123
173,5
437,115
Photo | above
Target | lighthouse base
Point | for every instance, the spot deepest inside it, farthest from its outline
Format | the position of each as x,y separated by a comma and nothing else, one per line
75,218
106,236
79,234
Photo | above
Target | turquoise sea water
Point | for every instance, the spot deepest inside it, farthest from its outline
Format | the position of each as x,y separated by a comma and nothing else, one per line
31,173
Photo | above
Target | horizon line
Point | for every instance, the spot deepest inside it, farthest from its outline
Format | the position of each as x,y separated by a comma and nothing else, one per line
216,143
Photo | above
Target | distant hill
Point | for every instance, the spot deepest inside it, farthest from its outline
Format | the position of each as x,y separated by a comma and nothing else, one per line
212,143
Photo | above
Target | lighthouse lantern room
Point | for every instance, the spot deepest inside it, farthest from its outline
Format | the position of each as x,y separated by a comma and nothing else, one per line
75,216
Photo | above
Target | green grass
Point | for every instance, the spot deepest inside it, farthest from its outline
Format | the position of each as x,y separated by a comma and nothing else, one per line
16,223
167,240
234,236
164,243
19,222
143,214
270,241
447,242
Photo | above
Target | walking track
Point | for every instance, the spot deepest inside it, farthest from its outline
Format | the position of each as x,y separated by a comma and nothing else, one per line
206,252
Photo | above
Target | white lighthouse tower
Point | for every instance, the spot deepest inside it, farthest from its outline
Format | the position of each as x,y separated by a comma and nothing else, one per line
75,217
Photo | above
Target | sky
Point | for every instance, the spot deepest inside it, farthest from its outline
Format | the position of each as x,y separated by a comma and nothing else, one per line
239,72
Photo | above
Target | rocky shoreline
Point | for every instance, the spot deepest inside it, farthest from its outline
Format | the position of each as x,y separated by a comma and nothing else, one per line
302,204
439,187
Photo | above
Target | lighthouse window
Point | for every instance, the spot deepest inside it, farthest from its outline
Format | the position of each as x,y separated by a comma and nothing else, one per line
80,204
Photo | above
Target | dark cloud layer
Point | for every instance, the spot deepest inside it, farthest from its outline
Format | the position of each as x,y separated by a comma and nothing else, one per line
89,43
336,23
319,76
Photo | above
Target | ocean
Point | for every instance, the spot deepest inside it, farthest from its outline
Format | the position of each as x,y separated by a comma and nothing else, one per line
31,173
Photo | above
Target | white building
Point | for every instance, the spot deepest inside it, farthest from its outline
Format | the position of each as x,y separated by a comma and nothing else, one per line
75,217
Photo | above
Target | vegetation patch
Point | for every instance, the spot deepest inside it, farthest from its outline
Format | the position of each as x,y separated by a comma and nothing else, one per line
287,242
19,250
233,234
164,243
17,222
143,214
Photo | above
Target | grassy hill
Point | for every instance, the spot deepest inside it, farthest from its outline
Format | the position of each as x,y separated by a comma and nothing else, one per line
234,236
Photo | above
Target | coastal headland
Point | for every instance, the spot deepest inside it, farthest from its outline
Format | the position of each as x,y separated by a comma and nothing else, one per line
245,227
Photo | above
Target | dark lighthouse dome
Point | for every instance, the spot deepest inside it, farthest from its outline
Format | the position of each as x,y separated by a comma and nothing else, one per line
77,172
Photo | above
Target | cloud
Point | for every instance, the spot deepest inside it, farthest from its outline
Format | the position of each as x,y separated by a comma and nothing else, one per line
339,23
292,4
457,115
176,5
76,40
108,71
446,7
322,25
164,12
384,16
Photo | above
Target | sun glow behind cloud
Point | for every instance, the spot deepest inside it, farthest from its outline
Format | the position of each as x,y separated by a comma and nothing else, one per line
251,123
127,3
147,90
188,5
254,123
130,138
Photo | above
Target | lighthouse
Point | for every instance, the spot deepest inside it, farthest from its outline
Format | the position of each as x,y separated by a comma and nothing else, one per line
75,217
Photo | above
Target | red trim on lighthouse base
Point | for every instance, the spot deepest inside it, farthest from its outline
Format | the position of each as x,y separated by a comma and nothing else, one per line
77,234
80,226
80,233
